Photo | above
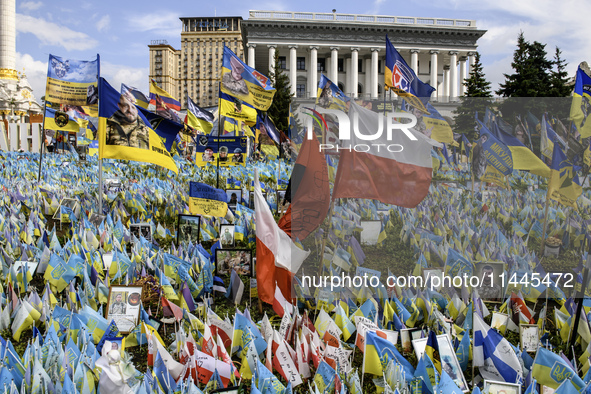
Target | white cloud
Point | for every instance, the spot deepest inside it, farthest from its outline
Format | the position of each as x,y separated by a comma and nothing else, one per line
116,74
36,72
166,24
564,25
50,33
31,5
103,23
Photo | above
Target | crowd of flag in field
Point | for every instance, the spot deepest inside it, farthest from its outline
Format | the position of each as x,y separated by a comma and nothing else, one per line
311,340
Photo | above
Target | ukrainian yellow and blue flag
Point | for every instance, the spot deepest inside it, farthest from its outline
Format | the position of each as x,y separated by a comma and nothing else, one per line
403,81
72,82
523,157
581,105
432,350
207,200
379,352
198,118
140,99
245,83
330,96
564,185
58,120
233,107
111,126
551,370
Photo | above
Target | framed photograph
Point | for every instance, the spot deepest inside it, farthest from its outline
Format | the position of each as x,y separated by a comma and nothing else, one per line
238,259
188,229
251,199
141,229
112,185
432,273
227,236
96,219
123,306
73,139
493,387
490,287
234,197
280,197
406,338
529,337
113,344
449,361
499,321
371,231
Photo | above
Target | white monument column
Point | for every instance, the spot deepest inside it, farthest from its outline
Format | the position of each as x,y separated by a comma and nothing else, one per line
8,40
367,85
348,89
453,79
334,65
463,61
271,56
293,68
374,72
251,48
313,72
434,81
414,60
445,83
354,70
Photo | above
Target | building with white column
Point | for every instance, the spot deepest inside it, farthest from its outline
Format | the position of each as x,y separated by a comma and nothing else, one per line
351,49
17,102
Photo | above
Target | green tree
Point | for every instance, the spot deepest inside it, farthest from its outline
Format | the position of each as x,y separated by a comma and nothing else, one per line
531,78
559,77
476,99
279,110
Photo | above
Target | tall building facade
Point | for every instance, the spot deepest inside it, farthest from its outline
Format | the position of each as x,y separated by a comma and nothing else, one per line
195,69
350,49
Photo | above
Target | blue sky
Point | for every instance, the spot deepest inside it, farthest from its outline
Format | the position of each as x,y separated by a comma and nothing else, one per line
120,31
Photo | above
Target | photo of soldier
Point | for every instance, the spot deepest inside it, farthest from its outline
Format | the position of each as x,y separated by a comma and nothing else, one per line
233,81
188,229
237,158
125,127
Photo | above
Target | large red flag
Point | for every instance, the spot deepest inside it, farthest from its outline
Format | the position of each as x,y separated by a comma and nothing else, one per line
308,192
278,258
384,173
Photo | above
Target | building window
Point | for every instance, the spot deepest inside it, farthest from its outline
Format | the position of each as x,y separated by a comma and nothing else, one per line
301,90
282,62
301,63
341,66
360,65
321,64
379,66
